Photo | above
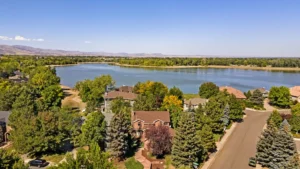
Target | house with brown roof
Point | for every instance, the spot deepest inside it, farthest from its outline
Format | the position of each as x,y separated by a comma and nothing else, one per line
128,89
295,93
192,104
4,127
237,93
142,120
110,96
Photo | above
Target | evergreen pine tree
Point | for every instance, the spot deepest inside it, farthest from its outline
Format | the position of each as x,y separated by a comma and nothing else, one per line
282,151
225,117
207,138
186,147
118,135
257,98
264,145
285,126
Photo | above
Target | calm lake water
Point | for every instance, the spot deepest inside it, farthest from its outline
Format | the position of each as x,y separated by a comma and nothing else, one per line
188,80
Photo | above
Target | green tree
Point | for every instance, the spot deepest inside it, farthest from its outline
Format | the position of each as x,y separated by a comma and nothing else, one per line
51,97
236,108
93,158
119,105
295,123
10,160
175,91
276,118
208,89
225,118
93,129
257,98
186,147
43,77
296,109
119,136
207,138
146,103
280,96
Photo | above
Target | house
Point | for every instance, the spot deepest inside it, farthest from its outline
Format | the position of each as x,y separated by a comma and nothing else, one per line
142,120
295,93
193,103
262,90
237,93
4,126
18,77
110,96
128,89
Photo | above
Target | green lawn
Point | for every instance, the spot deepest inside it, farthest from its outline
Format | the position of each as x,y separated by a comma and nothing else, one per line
190,96
56,158
131,163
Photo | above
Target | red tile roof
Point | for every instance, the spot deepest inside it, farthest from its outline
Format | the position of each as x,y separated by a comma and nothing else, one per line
151,116
238,94
124,95
295,91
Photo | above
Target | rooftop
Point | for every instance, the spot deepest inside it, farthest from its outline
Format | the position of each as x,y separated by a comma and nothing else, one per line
124,95
295,91
238,94
151,116
195,101
128,89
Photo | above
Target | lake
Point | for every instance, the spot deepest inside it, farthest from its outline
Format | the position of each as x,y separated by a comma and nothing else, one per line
187,79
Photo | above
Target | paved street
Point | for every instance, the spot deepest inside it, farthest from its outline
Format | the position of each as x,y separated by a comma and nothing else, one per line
241,144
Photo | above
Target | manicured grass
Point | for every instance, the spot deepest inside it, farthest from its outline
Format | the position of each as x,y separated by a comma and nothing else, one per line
168,161
131,163
190,96
55,158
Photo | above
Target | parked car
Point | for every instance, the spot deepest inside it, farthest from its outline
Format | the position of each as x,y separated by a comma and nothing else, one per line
38,163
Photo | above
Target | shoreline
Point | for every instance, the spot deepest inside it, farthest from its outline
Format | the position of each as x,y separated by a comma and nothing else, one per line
187,67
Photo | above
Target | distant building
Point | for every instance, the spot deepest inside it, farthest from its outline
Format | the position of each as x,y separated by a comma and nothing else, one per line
262,90
110,96
193,103
18,77
237,93
295,93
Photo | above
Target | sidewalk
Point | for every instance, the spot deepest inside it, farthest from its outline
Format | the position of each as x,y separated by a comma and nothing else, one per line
140,158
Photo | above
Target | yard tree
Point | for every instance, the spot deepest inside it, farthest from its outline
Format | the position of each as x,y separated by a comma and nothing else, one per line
276,118
92,158
296,109
119,105
43,77
236,108
225,118
186,147
146,103
294,121
159,140
206,138
8,97
175,91
283,149
264,146
175,113
93,129
119,136
257,98
51,97
208,89
11,160
280,96
171,101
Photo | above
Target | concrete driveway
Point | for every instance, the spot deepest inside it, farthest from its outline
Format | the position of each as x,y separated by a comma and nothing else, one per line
241,144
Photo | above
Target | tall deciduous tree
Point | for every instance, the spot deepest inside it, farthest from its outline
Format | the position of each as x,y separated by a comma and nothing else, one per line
51,97
119,136
175,91
146,103
93,129
186,147
280,96
11,160
236,108
208,89
206,137
159,140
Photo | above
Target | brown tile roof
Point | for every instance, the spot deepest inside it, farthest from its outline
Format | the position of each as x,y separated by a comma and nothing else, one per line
151,116
195,101
128,89
262,90
295,91
238,94
124,95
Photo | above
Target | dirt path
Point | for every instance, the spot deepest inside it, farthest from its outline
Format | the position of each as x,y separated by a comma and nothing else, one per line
241,144
72,99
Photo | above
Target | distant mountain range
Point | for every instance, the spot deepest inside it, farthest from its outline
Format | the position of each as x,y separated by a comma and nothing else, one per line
27,50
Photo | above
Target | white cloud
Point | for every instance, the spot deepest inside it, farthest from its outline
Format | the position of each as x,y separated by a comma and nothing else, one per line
20,38
39,40
87,41
5,38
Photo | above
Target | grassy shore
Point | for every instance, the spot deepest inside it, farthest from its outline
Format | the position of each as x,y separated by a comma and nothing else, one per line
268,68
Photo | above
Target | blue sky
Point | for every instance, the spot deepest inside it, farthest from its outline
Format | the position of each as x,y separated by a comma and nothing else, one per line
185,27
